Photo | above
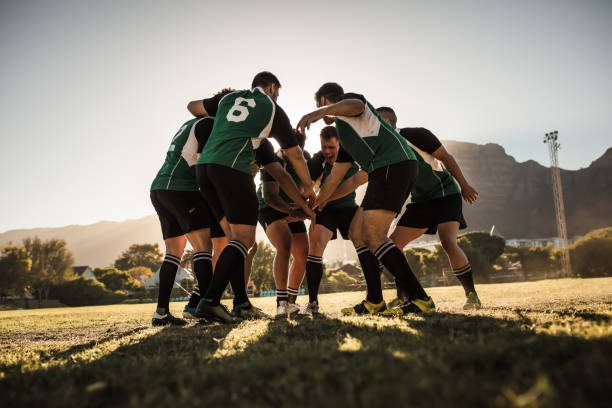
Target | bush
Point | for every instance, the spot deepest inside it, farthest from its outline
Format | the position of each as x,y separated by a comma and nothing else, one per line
84,291
114,279
590,254
481,249
339,281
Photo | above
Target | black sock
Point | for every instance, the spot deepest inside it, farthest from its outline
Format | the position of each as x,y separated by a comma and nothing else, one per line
230,263
314,273
292,294
464,274
281,295
396,263
371,272
167,273
401,292
202,269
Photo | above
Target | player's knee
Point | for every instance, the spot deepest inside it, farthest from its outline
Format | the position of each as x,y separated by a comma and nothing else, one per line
449,243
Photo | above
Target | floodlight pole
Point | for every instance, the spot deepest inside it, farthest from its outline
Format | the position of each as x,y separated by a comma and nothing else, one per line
553,147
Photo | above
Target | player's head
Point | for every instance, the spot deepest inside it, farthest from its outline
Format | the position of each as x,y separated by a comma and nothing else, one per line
388,114
328,93
329,143
268,82
225,91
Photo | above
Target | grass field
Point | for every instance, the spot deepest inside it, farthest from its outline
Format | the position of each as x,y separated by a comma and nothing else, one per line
546,344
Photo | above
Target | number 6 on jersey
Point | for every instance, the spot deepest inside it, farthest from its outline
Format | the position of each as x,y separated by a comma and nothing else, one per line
238,112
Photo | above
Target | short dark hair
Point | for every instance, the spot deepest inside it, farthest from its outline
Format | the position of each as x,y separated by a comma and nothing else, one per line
388,111
329,132
224,91
264,79
329,90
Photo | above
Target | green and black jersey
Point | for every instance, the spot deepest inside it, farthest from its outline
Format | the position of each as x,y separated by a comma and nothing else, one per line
369,140
320,168
434,181
266,177
178,171
242,120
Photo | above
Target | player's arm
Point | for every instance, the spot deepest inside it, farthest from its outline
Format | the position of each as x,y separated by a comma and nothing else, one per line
347,186
468,192
264,155
286,182
351,105
205,107
271,195
284,135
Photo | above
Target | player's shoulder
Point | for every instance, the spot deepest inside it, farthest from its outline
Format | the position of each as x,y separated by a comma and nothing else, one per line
352,95
415,131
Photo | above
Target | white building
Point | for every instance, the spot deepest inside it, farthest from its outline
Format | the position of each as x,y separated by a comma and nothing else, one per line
181,274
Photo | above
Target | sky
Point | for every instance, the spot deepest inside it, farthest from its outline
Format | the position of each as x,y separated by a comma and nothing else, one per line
92,92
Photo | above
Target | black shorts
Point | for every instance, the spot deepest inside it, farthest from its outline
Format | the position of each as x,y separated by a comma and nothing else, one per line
215,228
389,186
230,193
336,219
180,212
429,214
268,215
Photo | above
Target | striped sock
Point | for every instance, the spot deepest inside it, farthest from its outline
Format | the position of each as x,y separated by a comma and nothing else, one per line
167,274
396,263
293,293
281,295
370,266
464,275
314,273
230,266
202,269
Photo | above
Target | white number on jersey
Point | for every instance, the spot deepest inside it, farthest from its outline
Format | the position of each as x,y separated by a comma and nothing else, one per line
239,112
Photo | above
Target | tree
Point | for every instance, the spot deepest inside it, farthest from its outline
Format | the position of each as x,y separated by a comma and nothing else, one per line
147,255
140,273
340,281
590,255
51,264
187,260
481,249
261,272
83,291
114,279
15,271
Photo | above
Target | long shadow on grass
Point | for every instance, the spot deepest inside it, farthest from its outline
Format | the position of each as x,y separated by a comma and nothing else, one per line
440,360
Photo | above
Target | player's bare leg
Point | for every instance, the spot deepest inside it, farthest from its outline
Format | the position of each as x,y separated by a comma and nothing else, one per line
299,251
280,237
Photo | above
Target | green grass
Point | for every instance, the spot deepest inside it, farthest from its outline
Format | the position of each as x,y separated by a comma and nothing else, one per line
545,344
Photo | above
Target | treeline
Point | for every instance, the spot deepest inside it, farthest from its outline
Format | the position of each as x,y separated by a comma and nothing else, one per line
44,270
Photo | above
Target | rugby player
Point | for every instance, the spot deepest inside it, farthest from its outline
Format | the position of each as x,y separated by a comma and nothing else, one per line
284,226
336,215
435,206
392,170
183,213
244,119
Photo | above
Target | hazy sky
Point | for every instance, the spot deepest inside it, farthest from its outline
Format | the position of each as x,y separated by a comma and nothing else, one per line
93,91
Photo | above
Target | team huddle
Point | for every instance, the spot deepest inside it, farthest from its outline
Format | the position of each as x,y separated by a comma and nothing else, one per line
205,193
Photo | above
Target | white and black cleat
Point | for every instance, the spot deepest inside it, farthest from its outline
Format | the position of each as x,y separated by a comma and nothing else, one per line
167,320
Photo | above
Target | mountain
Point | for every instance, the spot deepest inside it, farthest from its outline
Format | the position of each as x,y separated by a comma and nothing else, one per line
515,197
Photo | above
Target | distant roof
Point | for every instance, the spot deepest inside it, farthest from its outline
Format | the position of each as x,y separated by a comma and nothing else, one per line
79,270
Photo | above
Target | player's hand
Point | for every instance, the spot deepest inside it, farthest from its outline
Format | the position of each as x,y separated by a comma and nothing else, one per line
309,194
309,119
296,214
469,193
254,168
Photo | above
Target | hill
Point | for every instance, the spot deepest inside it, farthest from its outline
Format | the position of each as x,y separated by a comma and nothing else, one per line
515,197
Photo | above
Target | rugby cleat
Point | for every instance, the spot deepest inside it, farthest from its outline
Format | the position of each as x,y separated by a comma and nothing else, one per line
292,308
311,308
472,302
364,308
247,311
281,309
189,313
166,320
395,302
217,313
411,307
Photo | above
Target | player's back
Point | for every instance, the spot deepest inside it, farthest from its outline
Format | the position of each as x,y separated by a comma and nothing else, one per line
242,117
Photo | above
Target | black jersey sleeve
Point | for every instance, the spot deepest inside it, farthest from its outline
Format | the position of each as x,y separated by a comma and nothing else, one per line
344,156
202,132
315,165
422,139
211,104
264,154
282,130
352,95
